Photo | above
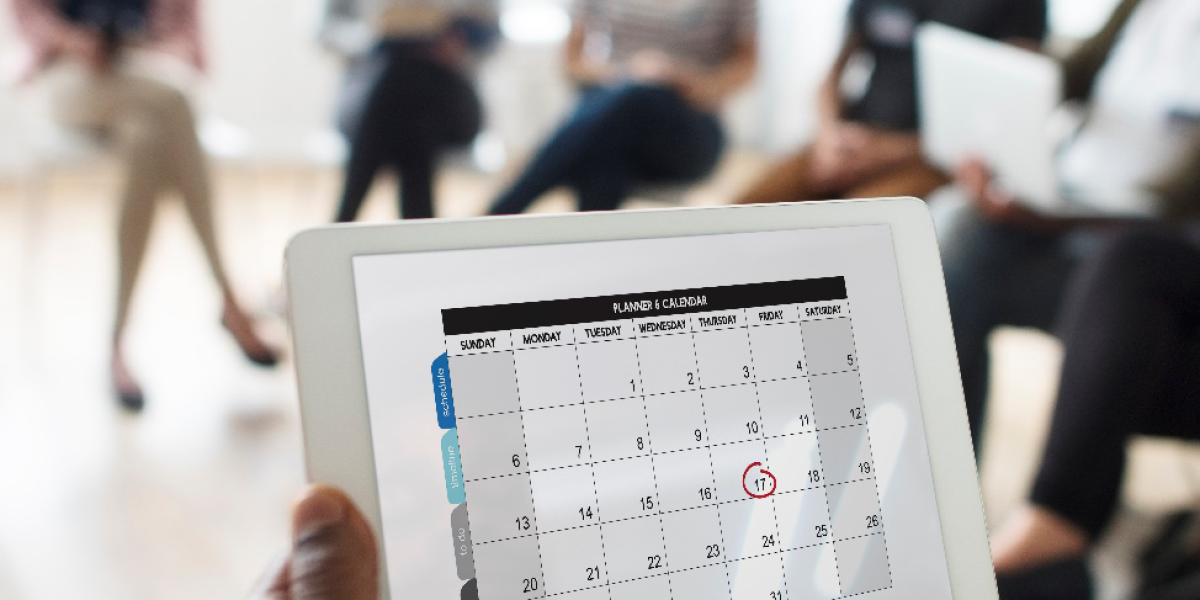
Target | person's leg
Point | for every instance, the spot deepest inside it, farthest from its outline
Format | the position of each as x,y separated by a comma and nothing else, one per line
602,128
434,108
915,178
365,160
369,124
417,168
790,180
659,139
998,275
87,101
143,183
675,143
1129,332
160,116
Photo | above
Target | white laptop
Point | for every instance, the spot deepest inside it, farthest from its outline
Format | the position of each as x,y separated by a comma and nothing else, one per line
755,402
996,102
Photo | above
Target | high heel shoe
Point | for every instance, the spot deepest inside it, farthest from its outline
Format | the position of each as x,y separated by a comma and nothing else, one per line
261,355
129,394
130,400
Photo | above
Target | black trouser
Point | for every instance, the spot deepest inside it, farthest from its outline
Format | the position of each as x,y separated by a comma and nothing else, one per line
413,109
619,136
1130,328
1003,275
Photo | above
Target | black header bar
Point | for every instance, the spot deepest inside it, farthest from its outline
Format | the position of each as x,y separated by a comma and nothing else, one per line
466,321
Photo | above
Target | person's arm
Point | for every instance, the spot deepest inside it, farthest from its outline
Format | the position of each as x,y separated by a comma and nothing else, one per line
580,68
1081,68
1000,206
50,34
1180,192
830,105
177,30
709,89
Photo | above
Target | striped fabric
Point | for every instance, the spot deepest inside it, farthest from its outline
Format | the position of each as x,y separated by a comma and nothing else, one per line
703,32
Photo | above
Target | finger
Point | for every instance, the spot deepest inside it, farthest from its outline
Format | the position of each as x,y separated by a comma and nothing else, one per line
333,554
273,585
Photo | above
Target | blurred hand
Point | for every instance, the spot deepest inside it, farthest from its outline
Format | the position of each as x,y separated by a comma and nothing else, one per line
332,555
847,154
89,49
698,89
995,203
653,66
843,154
451,50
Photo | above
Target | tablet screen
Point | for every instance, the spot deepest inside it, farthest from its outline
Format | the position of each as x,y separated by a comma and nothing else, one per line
694,418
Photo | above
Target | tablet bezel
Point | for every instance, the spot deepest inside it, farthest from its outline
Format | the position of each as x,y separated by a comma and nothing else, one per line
329,362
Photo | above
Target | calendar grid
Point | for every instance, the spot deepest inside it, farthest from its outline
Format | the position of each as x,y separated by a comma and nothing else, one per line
727,562
621,398
533,507
684,510
669,452
711,466
871,447
653,470
766,450
592,466
821,459
796,426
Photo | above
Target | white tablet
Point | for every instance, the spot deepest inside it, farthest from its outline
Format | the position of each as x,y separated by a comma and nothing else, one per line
745,403
996,102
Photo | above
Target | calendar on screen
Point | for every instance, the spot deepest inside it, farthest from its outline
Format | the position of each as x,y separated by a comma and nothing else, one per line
701,444
722,417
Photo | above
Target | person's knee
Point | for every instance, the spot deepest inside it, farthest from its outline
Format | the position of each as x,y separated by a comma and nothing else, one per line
165,104
1131,257
622,102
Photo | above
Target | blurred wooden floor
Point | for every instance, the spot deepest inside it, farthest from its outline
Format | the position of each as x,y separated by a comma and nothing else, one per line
189,499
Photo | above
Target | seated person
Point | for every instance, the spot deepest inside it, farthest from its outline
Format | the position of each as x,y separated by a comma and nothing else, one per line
870,147
407,96
112,67
1140,151
653,76
1130,328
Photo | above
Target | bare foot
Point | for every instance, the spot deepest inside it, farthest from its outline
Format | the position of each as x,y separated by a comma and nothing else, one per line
242,330
129,393
1036,536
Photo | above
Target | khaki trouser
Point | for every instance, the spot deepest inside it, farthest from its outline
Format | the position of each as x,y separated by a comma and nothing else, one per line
791,181
149,119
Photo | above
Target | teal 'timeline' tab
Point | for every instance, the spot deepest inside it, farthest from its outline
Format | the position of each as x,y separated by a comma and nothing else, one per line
443,393
452,465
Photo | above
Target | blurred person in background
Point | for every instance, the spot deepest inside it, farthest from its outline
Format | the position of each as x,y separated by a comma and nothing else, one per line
1135,159
1130,330
869,146
653,77
407,94
113,68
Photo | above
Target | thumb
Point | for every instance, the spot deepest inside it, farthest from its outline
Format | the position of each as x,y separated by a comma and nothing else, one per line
333,551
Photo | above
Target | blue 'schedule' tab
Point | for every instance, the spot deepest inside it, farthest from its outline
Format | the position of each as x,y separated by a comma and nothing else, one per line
452,464
443,393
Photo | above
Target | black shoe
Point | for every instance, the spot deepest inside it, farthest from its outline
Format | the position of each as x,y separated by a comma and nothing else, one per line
132,401
267,358
1064,580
